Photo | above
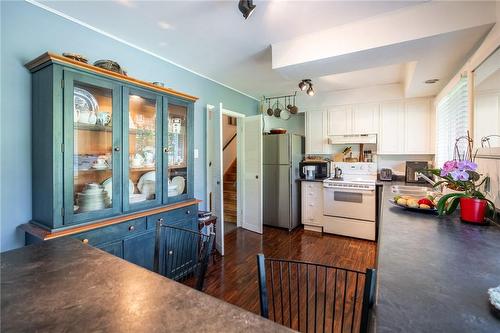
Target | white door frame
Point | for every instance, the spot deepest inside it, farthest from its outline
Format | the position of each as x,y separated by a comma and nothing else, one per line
239,160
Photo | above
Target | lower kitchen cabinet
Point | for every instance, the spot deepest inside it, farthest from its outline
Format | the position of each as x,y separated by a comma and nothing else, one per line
132,240
114,248
140,249
312,205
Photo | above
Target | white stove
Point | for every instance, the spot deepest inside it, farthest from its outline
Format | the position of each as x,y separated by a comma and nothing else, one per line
354,175
349,202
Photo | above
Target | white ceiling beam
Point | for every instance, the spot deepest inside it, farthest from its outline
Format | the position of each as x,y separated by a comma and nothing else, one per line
364,44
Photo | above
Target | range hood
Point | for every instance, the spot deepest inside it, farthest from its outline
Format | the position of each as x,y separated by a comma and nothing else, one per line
352,138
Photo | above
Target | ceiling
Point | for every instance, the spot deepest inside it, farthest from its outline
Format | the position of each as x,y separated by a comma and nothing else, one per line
213,39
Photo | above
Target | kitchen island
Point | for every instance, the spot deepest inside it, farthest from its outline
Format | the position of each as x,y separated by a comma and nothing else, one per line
66,286
434,272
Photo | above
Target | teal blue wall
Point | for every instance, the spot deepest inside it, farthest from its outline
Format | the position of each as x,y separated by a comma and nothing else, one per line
28,31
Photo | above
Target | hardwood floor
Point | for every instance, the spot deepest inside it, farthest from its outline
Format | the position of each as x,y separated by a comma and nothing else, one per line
233,278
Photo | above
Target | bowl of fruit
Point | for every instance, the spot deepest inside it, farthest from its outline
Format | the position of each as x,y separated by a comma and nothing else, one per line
425,204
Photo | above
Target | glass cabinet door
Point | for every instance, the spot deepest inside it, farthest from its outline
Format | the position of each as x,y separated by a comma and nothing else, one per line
92,131
177,163
141,136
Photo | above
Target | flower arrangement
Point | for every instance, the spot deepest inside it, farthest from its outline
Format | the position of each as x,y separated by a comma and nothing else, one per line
462,176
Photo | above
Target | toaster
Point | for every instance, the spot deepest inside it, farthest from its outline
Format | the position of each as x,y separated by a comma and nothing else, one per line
385,174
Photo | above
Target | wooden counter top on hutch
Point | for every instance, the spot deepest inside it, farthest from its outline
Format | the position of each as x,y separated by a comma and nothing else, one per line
111,155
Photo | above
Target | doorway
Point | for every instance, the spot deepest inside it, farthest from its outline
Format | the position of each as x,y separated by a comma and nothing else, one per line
230,172
243,183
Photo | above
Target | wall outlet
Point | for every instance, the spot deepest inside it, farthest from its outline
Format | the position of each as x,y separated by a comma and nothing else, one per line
196,154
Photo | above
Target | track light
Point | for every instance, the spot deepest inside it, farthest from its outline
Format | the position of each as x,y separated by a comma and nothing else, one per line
310,90
246,7
304,84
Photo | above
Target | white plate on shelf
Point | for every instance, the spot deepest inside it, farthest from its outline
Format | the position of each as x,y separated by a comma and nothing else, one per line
135,198
108,186
180,183
151,175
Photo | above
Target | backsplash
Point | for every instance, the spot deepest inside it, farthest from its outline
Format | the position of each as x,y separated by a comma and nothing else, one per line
397,162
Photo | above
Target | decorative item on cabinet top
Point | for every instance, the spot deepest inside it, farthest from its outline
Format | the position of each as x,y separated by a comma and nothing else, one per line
49,57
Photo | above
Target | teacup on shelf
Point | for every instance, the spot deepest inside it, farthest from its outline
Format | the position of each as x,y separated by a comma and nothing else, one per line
103,118
137,161
100,163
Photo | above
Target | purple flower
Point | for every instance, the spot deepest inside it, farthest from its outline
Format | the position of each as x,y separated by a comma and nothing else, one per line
466,165
448,167
459,175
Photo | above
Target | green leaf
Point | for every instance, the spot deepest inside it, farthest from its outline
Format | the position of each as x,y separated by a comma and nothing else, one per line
441,206
452,205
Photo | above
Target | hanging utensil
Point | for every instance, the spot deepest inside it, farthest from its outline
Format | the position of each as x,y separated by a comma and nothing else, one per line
294,109
277,110
289,106
270,111
285,114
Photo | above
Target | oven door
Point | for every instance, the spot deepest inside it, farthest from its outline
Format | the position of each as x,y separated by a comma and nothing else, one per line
349,203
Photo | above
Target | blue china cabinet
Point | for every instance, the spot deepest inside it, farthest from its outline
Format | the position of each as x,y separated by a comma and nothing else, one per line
111,156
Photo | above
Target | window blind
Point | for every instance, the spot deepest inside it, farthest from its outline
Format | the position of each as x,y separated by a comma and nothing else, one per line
452,121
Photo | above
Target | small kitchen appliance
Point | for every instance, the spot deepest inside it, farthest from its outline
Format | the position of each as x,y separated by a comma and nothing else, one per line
386,174
413,168
322,168
349,204
309,171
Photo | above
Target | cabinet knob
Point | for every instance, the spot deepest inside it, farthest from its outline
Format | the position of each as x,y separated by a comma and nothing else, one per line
131,228
170,252
165,150
188,212
117,148
85,241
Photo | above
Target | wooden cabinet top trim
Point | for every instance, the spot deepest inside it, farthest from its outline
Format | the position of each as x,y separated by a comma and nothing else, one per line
49,57
45,234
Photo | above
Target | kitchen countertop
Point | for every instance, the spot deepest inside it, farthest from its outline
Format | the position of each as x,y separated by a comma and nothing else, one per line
310,180
65,286
434,272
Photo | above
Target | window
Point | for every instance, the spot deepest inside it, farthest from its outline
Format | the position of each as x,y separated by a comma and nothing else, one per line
452,121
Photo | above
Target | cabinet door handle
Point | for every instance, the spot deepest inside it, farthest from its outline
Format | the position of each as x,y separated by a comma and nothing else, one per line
117,148
131,228
85,241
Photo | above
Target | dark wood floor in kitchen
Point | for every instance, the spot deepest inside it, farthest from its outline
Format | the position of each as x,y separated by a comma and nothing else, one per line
233,278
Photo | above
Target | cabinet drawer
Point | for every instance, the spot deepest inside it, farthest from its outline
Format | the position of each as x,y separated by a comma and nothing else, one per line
173,216
114,232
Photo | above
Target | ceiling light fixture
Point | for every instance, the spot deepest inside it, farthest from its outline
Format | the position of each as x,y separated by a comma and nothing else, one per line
246,7
310,90
306,84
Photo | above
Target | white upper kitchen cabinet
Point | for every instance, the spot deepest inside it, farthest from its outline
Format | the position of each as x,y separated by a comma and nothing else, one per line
365,118
339,120
392,126
418,127
316,133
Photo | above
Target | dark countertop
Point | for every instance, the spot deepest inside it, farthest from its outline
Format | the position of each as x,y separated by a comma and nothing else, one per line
310,180
65,286
434,273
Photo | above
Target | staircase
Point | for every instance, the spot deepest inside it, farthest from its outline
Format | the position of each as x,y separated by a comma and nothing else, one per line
230,194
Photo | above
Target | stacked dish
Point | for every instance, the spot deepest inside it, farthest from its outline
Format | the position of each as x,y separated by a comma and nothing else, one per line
93,197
